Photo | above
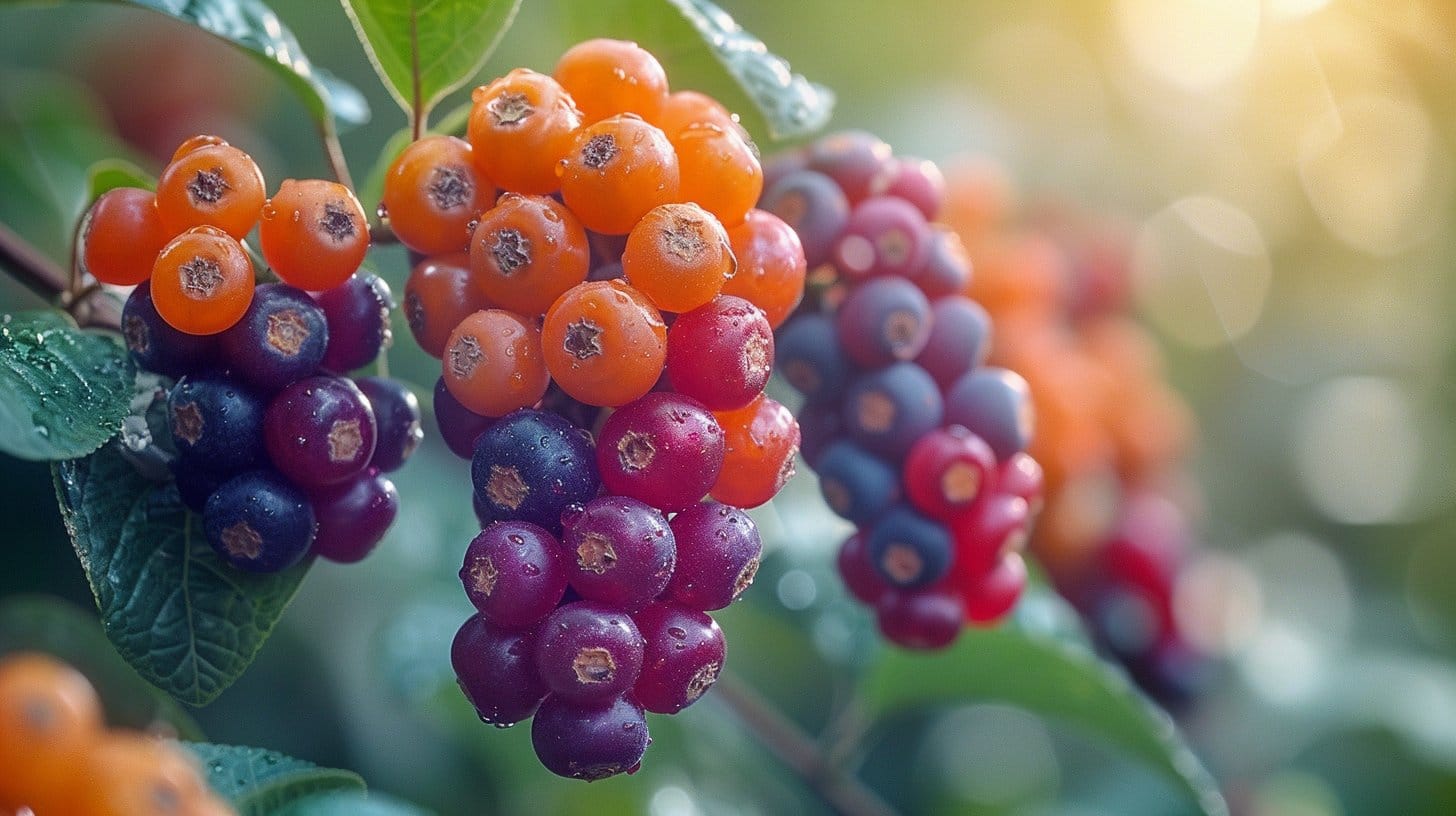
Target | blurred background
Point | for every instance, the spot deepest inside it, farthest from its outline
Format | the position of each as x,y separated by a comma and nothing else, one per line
1280,178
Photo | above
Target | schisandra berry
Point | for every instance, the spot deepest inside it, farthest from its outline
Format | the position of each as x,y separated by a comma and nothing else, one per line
618,551
280,338
588,652
718,552
320,431
258,522
589,742
530,466
683,656
353,516
496,669
217,422
514,573
664,449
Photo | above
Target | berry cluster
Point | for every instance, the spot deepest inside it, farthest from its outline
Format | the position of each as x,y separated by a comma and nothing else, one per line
59,757
584,213
913,438
280,452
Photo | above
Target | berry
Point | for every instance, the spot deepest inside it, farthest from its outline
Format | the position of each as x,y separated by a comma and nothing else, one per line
616,171
814,206
996,525
589,742
432,193
853,158
761,439
396,420
808,354
719,170
998,592
783,163
258,522
771,266
202,282
493,364
608,77
520,127
50,717
923,619
856,485
129,773
947,266
682,659
917,181
154,344
353,516
907,549
122,236
320,431
604,343
438,295
820,425
216,422
459,426
664,449
216,185
889,409
314,233
960,338
619,551
718,552
1022,476
531,465
722,353
883,236
496,670
995,404
678,256
946,470
883,320
684,109
357,312
280,338
526,251
514,573
859,575
588,652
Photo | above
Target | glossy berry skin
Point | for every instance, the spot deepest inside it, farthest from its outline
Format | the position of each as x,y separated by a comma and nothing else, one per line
496,670
353,516
589,742
814,206
771,265
616,171
947,470
153,343
887,410
216,185
821,424
883,236
514,573
909,550
683,657
357,312
663,449
526,252
995,404
809,355
280,338
520,127
588,652
531,465
678,256
320,431
761,439
438,294
718,553
683,109
722,353
883,320
217,422
396,420
1022,476
123,236
459,426
996,525
858,574
618,551
857,485
202,282
998,592
259,522
493,363
917,181
608,77
604,343
853,158
922,619
314,233
960,339
431,194
719,170
947,266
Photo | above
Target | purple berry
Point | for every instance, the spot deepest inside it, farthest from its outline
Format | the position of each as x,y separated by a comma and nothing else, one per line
718,552
820,425
459,426
280,338
853,158
514,573
589,741
619,551
496,669
721,354
995,404
218,423
947,267
918,181
357,311
320,431
782,164
814,206
396,418
887,410
531,465
960,339
883,320
588,652
682,659
928,619
353,516
883,236
664,449
155,345
858,574
258,522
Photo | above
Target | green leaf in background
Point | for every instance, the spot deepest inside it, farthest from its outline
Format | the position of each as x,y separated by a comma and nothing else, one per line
184,619
260,782
424,49
39,623
63,392
109,174
349,804
451,124
1039,663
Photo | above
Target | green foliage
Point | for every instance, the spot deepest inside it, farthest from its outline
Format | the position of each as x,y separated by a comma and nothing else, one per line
424,49
63,392
259,782
184,619
348,804
109,174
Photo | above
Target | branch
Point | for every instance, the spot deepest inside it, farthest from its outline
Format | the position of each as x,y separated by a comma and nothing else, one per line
46,278
841,791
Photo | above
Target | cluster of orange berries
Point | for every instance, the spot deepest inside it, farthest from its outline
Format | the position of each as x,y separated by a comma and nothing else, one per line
58,757
186,238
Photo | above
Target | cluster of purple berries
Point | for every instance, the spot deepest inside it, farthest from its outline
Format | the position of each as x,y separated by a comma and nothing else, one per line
914,439
282,454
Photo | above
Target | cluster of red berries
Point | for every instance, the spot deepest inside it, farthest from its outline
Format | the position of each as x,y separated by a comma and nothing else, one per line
913,438
583,213
280,452
59,757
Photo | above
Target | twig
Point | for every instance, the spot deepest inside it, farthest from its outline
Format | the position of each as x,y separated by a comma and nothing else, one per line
334,151
46,278
841,791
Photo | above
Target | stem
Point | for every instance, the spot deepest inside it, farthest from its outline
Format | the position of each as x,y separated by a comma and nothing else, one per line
334,151
841,791
417,115
47,279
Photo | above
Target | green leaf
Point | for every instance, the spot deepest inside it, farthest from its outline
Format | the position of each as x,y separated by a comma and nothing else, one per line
349,804
1041,663
184,619
63,392
259,782
424,49
109,174
703,48
40,623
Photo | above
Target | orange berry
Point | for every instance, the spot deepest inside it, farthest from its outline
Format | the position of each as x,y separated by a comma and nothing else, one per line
50,717
314,233
684,109
194,142
719,170
526,252
123,236
128,774
432,192
678,256
493,364
617,170
760,442
438,295
608,77
214,184
604,343
520,126
771,266
202,282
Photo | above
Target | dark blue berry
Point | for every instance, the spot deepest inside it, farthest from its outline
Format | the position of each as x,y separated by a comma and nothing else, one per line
856,484
259,522
888,409
357,311
909,550
995,404
883,320
217,422
155,345
396,418
808,354
531,465
280,339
